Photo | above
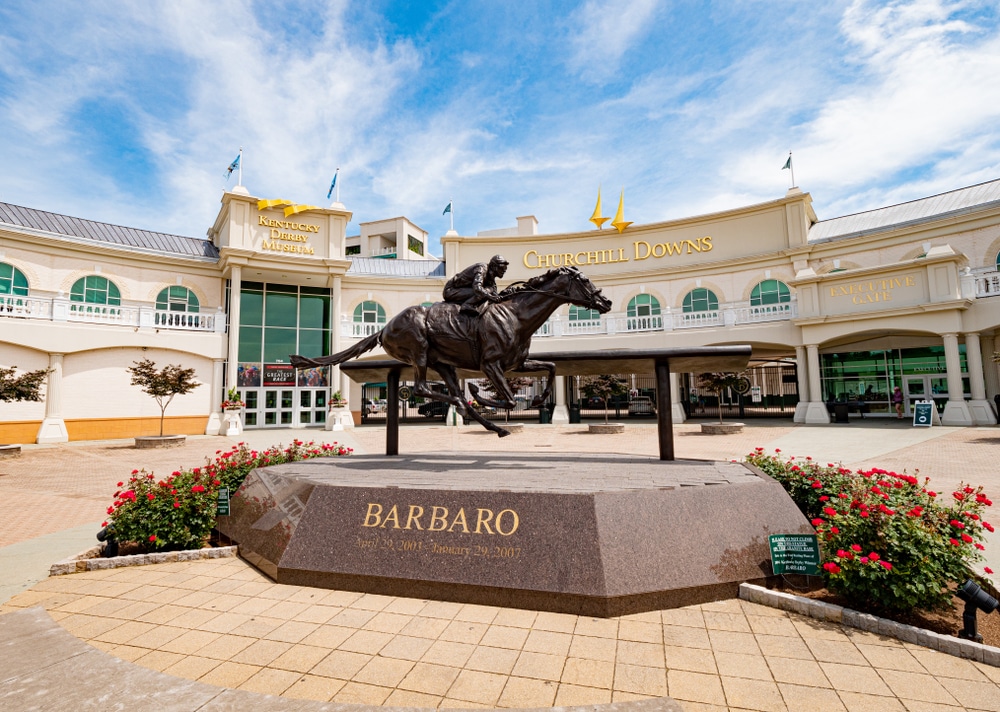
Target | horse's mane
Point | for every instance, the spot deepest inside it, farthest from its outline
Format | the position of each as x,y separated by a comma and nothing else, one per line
541,280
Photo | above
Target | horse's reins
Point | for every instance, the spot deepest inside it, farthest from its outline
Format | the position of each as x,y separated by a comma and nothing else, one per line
547,292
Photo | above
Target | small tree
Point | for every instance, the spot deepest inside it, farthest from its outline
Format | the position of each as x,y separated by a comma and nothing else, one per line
603,387
515,383
26,387
719,382
164,384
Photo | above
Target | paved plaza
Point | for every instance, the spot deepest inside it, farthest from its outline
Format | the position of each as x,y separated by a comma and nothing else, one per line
224,625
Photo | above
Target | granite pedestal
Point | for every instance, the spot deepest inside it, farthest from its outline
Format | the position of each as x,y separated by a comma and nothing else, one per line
584,534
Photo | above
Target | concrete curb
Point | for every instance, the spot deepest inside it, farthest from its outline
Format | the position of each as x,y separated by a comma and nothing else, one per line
90,560
986,654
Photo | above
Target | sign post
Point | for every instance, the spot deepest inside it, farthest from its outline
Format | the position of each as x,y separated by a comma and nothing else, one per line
222,507
794,554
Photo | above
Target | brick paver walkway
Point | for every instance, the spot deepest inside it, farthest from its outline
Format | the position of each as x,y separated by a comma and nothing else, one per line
221,622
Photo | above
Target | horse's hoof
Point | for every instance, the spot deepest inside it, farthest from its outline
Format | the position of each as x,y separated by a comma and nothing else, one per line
536,401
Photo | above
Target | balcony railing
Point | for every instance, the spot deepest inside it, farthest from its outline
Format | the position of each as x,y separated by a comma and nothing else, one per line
60,309
987,283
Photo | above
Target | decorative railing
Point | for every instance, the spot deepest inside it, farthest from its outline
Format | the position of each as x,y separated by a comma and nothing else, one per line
987,283
141,316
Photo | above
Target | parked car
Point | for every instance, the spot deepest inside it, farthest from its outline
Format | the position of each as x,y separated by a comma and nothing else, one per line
434,409
641,405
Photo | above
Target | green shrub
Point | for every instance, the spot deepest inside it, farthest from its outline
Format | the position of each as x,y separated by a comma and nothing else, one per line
888,542
179,512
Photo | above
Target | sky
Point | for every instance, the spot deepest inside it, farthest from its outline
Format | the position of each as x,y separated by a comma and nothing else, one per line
130,112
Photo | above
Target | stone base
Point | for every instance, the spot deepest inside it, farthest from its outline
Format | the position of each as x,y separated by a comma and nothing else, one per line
560,415
957,413
340,418
583,534
52,430
606,428
721,428
157,441
9,451
982,412
801,408
817,414
214,425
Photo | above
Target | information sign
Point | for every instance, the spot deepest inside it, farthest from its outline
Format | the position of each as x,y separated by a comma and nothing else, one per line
794,554
925,414
222,508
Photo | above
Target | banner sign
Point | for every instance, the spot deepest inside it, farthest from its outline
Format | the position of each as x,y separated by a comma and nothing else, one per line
279,374
794,554
222,508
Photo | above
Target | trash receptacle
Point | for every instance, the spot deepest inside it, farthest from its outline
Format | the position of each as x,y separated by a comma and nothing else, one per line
840,412
574,413
545,415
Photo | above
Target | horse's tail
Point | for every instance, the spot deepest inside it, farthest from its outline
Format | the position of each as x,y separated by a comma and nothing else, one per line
363,346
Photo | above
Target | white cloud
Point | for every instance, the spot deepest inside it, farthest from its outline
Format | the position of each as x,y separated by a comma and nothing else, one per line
602,31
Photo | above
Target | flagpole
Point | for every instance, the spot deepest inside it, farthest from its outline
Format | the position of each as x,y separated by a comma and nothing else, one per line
451,214
337,177
791,167
241,166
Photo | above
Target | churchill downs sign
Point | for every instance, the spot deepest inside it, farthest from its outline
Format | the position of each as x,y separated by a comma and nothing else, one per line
640,250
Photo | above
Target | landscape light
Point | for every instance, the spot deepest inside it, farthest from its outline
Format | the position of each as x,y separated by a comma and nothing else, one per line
975,599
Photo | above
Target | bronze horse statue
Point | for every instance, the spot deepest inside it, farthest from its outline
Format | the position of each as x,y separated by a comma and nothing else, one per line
494,342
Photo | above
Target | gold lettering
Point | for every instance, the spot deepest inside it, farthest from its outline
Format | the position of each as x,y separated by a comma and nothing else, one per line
692,245
459,519
659,250
481,522
585,260
645,244
593,258
414,516
442,518
393,515
530,253
910,282
706,243
514,525
568,260
621,255
374,510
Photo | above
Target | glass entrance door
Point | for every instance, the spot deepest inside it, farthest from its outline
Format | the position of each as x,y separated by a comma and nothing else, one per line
930,387
284,407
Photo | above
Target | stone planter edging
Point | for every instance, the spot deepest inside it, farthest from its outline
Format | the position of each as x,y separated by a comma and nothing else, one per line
820,610
606,428
91,560
9,451
146,442
721,428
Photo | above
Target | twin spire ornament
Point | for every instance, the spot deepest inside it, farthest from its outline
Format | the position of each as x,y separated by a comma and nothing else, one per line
620,223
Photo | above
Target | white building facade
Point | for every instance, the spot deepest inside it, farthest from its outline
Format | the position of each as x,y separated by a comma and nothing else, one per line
845,309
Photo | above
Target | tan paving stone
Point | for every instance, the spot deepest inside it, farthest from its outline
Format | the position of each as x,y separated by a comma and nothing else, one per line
477,614
644,654
447,703
194,619
695,687
500,636
772,625
299,658
918,706
941,665
593,648
463,632
588,673
690,659
973,694
366,641
226,646
430,679
125,632
261,652
797,672
422,627
406,698
387,622
229,674
727,641
127,652
498,660
314,687
316,613
328,636
406,606
87,627
256,627
542,641
835,651
441,609
286,610
384,672
855,678
352,618
742,665
189,642
891,658
163,613
718,620
596,627
753,694
914,686
858,702
647,681
192,667
482,687
340,664
405,647
540,666
687,636
622,696
292,631
641,631
515,618
989,671
361,694
814,699
444,652
812,629
342,599
159,660
527,693
779,646
554,622
575,695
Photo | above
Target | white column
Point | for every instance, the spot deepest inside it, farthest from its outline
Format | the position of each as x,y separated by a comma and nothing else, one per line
802,376
979,407
233,353
214,425
816,411
956,411
676,406
53,427
991,374
560,416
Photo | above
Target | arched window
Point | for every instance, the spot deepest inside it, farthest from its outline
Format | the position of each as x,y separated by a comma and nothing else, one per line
770,291
12,280
643,305
177,299
699,300
583,314
369,313
998,261
95,290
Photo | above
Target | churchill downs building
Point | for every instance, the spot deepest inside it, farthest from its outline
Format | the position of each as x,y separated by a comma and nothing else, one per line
839,312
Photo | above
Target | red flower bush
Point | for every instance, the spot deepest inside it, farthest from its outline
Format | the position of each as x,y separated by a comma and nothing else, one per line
918,544
179,512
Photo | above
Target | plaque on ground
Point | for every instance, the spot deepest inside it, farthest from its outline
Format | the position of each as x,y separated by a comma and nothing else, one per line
591,535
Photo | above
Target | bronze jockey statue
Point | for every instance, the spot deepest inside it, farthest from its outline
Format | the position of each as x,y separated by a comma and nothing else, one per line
476,285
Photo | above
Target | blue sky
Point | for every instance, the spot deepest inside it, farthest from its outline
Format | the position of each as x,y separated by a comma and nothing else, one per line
130,112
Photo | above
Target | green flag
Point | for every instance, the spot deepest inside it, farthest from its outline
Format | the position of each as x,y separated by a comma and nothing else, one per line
788,163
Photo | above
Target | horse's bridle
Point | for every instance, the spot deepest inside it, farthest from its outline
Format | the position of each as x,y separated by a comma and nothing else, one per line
591,293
